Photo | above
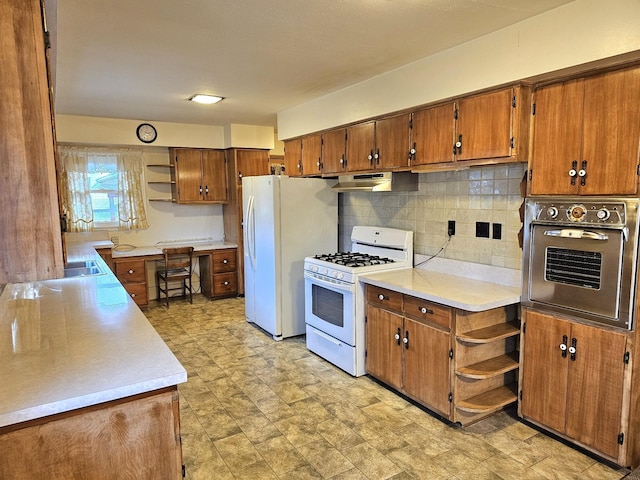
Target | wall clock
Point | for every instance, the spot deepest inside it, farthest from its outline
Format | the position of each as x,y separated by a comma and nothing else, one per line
146,133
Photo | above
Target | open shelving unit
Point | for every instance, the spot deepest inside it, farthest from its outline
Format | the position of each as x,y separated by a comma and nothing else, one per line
486,362
163,183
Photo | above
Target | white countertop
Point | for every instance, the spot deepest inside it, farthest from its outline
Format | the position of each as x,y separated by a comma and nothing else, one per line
75,342
157,249
466,286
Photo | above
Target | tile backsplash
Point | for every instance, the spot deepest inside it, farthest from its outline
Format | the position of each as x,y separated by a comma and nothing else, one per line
488,194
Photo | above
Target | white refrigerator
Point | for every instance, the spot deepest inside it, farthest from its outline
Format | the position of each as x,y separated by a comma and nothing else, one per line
285,219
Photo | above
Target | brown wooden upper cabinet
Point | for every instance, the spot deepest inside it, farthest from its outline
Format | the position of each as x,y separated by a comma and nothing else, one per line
303,156
586,135
379,145
248,163
484,126
293,157
200,175
334,151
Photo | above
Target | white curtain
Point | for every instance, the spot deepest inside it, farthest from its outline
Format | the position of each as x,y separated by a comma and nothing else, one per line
75,165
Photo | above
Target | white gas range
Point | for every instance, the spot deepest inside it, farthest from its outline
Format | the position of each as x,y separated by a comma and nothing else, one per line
334,298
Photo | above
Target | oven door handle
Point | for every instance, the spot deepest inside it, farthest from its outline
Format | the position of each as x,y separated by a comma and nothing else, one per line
576,233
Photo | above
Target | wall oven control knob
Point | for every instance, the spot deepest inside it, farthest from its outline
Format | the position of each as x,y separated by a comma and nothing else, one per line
603,214
577,213
552,212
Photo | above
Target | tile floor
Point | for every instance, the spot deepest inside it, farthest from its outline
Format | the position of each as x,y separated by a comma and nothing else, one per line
253,408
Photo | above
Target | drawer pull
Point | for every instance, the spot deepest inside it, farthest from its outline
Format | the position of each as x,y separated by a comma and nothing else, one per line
130,271
226,283
426,310
225,261
132,295
382,297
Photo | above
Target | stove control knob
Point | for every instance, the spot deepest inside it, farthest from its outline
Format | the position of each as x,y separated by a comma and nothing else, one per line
339,275
603,214
314,268
577,213
552,212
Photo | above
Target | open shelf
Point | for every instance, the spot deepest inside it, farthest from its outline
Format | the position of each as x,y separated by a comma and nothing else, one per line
167,182
170,165
161,200
489,334
491,367
490,401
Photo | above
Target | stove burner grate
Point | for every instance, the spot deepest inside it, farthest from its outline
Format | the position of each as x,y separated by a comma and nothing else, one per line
353,259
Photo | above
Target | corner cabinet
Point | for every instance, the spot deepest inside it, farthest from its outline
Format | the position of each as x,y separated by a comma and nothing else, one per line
462,365
586,136
574,381
199,175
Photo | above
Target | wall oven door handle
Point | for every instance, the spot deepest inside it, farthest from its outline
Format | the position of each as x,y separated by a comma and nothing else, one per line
576,233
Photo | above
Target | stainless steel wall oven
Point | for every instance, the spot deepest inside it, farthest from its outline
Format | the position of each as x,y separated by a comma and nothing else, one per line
580,256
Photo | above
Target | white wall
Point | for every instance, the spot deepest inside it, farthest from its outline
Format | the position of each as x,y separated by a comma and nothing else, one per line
577,33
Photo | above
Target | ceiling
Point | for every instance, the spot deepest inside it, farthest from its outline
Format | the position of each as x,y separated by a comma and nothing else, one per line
142,59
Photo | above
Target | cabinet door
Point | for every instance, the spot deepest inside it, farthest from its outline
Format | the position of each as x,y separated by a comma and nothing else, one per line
251,163
384,352
594,391
611,133
392,142
334,146
557,136
188,175
312,155
484,125
293,157
544,370
427,373
360,145
214,176
432,134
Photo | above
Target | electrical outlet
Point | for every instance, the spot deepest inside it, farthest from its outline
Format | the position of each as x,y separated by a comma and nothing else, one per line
497,231
115,240
451,227
482,229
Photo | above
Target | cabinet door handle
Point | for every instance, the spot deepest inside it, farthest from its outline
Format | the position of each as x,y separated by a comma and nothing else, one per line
406,339
370,157
573,172
583,172
200,189
572,348
412,152
426,310
206,189
563,346
397,336
458,146
376,156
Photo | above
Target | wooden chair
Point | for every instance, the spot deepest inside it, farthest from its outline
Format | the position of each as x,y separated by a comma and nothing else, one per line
177,266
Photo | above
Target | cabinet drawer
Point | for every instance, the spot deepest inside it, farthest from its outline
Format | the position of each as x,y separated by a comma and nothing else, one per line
424,311
131,271
137,291
224,283
224,261
384,298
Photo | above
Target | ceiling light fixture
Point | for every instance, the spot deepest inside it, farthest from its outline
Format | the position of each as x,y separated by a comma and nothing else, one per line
206,99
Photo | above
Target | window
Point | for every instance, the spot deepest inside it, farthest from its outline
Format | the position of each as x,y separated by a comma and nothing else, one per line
102,188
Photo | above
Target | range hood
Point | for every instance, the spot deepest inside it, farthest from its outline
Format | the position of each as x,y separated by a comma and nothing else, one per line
378,182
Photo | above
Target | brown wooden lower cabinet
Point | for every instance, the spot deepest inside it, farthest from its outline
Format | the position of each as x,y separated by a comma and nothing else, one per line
132,274
576,381
133,438
218,273
462,365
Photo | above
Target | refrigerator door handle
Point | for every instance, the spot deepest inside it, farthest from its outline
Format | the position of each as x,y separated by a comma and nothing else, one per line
250,232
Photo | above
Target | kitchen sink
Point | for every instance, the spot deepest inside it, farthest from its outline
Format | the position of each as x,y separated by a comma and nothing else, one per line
82,269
